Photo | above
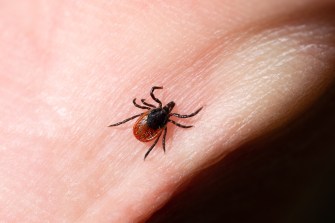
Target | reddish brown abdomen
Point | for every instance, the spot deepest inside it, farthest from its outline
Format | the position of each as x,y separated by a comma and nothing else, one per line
141,130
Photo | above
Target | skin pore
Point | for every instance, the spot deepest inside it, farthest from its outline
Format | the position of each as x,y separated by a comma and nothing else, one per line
70,68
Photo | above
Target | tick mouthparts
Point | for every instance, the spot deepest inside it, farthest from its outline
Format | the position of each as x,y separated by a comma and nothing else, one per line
168,108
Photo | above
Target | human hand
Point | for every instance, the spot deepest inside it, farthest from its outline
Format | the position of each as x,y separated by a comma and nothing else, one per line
70,68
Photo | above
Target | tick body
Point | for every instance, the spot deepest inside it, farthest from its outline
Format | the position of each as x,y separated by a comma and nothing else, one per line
143,131
151,124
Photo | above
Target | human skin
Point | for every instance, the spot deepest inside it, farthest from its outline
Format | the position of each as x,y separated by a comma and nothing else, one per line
71,68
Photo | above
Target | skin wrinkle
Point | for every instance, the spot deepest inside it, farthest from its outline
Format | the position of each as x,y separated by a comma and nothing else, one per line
284,55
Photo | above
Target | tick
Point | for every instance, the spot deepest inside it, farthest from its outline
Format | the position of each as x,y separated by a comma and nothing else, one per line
153,123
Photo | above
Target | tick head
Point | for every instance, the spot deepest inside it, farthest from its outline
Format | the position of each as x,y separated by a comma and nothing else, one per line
168,108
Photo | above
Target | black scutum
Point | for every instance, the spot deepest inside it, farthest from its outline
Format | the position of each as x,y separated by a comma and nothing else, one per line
157,118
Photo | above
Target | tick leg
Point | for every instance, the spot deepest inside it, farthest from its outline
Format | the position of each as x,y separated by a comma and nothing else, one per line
186,116
180,125
164,136
153,96
126,120
140,106
147,104
151,147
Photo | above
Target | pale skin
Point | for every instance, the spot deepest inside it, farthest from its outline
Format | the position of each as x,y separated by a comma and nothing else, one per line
71,68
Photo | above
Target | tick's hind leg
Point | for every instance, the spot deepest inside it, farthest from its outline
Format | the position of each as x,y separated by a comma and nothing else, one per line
151,147
164,136
126,120
186,116
153,96
180,125
140,106
147,104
